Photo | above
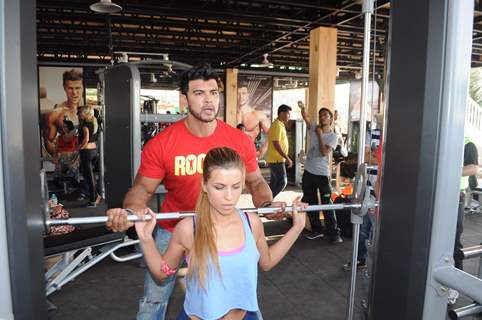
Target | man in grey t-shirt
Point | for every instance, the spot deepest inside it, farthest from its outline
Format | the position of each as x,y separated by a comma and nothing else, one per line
316,176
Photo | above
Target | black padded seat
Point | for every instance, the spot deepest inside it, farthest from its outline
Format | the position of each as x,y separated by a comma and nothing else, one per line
80,238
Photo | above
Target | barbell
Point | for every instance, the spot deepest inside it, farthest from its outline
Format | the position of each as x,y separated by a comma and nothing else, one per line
360,205
180,215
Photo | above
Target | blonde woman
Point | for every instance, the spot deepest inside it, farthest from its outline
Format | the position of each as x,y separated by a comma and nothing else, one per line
222,245
88,150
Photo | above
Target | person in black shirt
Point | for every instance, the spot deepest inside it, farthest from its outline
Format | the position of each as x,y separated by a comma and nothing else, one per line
470,168
88,150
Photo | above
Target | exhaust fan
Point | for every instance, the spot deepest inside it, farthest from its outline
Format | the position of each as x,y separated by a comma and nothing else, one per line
264,64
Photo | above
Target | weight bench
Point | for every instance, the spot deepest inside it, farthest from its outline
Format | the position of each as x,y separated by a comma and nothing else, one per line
81,250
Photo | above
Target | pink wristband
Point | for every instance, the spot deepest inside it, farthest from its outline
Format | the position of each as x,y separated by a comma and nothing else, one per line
166,269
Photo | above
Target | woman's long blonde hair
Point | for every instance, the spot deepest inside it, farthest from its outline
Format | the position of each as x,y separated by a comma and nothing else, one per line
204,247
89,111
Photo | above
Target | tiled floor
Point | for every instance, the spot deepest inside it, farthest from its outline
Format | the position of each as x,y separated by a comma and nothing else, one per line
308,284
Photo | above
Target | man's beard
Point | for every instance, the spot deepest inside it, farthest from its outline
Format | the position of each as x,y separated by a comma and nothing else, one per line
73,101
200,118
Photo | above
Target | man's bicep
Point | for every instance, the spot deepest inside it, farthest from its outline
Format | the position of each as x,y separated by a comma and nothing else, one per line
253,178
52,125
258,188
149,185
138,196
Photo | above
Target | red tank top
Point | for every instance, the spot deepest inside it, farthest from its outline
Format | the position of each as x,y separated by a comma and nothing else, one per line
66,146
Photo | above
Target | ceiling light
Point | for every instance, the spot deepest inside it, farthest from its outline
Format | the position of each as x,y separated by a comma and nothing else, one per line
105,6
265,59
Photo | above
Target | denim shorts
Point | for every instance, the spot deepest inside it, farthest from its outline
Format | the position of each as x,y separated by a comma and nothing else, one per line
250,315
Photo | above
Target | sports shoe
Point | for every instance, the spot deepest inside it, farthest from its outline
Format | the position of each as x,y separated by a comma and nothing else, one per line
360,265
81,197
336,239
92,205
314,235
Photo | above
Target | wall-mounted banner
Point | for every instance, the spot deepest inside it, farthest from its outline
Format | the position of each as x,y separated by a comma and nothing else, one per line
255,100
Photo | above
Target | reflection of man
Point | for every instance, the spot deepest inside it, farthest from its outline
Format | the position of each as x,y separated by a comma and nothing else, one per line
67,110
255,121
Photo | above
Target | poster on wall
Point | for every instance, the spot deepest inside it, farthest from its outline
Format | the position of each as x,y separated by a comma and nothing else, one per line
355,100
255,100
289,97
61,92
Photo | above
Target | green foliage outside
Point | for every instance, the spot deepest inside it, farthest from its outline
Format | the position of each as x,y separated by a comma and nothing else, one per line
475,85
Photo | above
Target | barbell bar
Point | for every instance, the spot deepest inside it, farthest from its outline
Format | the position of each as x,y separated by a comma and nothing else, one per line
180,215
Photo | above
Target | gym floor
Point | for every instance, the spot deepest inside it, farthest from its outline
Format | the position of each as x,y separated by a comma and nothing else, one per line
309,283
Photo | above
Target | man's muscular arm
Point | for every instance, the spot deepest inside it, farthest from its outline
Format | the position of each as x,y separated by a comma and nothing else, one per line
324,149
258,188
51,132
305,116
262,195
141,192
264,122
136,199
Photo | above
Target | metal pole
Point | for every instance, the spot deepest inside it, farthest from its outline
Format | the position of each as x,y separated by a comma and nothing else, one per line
459,280
101,163
354,261
456,66
466,311
367,11
357,220
101,140
472,252
480,267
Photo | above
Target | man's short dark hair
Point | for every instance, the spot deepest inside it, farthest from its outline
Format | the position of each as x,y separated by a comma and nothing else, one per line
243,84
201,71
69,125
327,110
71,75
283,108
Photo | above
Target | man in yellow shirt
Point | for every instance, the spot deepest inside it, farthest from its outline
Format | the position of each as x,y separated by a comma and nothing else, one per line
277,153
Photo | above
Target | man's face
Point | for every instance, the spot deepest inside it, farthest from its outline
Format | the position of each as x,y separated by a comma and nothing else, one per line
203,99
73,90
243,97
285,116
324,118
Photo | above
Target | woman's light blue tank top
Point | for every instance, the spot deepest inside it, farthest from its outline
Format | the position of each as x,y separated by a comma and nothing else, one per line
234,289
